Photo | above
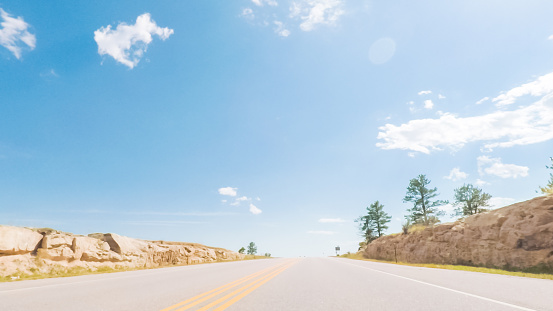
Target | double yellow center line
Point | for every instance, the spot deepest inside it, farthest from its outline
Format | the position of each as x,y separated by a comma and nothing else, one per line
253,281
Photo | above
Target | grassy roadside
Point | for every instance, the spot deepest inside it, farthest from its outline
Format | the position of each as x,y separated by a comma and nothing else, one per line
358,256
60,272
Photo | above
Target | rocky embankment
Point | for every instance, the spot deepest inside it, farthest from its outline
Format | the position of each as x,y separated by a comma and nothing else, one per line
518,236
33,251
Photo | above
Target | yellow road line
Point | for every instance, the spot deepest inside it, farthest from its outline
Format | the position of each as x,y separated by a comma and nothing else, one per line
220,289
255,285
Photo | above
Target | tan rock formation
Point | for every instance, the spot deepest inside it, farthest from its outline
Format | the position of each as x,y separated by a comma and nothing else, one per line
15,240
517,236
61,250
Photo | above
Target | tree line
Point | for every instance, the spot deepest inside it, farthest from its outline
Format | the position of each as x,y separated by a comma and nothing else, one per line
468,200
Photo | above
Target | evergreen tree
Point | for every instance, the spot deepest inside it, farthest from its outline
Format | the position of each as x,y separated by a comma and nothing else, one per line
374,223
424,210
470,200
548,189
252,249
242,250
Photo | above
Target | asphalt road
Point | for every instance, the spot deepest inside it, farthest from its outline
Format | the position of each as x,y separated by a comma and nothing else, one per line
282,284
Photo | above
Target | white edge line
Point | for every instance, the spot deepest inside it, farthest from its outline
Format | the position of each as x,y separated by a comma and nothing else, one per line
445,288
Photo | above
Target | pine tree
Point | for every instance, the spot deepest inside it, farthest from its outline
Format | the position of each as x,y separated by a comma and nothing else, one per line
548,189
252,249
470,200
424,211
374,223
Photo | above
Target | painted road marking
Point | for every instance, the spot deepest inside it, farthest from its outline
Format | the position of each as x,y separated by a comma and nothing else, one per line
252,286
184,305
444,288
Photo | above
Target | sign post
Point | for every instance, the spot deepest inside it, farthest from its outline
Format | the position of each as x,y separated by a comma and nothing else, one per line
337,250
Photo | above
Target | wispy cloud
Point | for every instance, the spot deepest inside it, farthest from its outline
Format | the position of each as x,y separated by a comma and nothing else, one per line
248,13
128,43
539,87
494,166
331,220
428,104
523,126
321,232
425,92
263,2
280,29
14,34
498,202
479,182
254,210
480,102
456,174
228,191
316,12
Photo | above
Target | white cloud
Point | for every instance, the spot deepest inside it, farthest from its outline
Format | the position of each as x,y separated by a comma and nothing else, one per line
440,96
331,220
254,210
428,104
479,182
315,12
228,191
456,175
550,37
494,166
498,202
281,30
128,43
480,102
268,2
14,35
539,87
523,126
424,92
243,198
248,13
321,232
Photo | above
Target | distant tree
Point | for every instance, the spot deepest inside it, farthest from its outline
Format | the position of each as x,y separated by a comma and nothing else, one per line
252,249
267,254
470,200
242,250
373,224
424,210
548,189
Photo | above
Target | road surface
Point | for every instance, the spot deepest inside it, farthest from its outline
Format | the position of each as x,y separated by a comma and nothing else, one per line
282,284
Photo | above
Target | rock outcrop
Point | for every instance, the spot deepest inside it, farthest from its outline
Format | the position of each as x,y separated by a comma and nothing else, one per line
519,236
27,250
15,240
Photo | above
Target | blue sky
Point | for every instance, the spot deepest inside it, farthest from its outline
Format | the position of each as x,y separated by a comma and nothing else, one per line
278,122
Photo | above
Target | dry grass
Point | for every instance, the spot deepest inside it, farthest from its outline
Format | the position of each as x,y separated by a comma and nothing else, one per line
358,256
59,271
251,257
417,228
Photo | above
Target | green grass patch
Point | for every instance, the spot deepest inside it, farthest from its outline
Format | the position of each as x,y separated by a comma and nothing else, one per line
530,274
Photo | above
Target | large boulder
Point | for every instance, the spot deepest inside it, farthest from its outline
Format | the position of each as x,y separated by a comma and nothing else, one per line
517,236
16,240
124,245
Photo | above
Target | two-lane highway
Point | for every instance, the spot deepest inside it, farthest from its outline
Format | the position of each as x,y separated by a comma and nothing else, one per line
282,284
